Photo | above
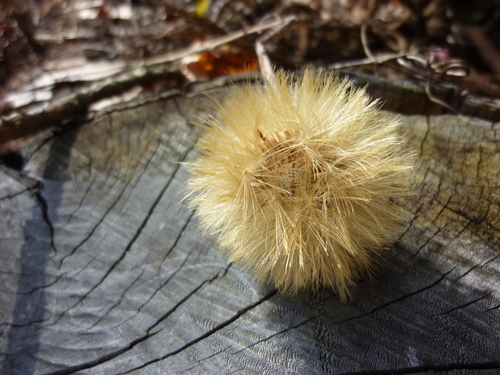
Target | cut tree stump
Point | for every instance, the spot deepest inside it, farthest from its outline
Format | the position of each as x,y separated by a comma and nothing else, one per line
105,271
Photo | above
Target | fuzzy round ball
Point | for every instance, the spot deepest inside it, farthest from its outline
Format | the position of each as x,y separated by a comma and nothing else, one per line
295,179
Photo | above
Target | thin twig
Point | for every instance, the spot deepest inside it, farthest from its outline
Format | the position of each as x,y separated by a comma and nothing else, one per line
382,58
364,43
198,47
266,68
435,99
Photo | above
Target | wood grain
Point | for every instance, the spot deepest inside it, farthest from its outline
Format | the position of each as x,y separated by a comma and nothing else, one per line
104,270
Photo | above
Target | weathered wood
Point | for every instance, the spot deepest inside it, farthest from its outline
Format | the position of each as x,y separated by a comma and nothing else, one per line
104,270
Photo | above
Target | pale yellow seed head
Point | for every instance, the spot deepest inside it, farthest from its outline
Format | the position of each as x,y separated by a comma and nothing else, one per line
296,178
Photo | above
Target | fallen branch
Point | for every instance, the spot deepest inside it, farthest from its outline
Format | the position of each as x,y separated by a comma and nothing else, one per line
29,122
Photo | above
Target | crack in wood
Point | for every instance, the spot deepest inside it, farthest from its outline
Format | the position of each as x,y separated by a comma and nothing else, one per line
478,266
423,184
464,305
45,214
130,244
184,299
102,359
177,238
410,223
97,225
160,287
426,242
467,217
496,307
460,232
82,297
207,334
85,195
12,196
39,321
39,287
424,139
122,296
149,334
399,299
444,206
428,368
139,340
352,318
280,332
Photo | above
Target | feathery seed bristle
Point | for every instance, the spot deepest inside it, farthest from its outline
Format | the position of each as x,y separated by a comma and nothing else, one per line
295,179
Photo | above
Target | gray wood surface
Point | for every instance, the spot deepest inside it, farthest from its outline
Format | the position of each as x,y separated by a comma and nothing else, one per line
104,270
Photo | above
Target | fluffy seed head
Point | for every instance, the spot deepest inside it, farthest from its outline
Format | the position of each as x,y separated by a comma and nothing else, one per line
295,179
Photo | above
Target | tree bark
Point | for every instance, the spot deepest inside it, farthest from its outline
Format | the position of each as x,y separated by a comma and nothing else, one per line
104,269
